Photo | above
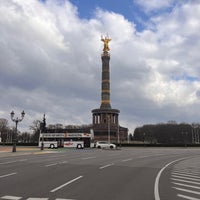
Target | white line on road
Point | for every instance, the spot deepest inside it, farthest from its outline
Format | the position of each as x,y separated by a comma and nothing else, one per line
37,198
52,164
64,199
186,185
187,197
106,166
2,176
143,156
9,162
11,197
128,159
87,158
156,185
186,172
22,160
185,190
185,175
69,182
182,180
187,178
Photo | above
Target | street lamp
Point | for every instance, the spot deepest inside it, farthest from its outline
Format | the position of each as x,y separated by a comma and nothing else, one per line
17,120
108,129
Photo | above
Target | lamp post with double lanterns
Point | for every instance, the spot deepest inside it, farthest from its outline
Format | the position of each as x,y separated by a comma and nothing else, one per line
16,120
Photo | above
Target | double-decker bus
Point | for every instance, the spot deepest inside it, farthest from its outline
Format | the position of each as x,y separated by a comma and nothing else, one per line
55,140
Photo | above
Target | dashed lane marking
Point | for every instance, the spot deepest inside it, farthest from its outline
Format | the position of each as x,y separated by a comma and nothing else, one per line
65,184
37,199
6,175
58,163
87,158
11,197
128,159
105,166
30,198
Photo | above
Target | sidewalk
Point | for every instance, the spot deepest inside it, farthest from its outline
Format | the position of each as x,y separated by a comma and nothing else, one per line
18,148
21,150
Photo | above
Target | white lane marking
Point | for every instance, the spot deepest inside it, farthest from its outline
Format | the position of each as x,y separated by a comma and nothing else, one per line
65,184
22,160
185,190
64,199
128,159
9,162
87,158
156,184
143,156
187,178
187,197
102,167
182,180
186,185
52,164
6,175
11,197
14,161
185,175
186,172
63,162
37,198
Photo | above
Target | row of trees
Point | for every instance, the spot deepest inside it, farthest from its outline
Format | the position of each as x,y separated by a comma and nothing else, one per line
6,132
169,133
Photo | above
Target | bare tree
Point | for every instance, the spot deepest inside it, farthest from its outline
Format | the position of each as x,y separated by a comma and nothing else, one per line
4,129
35,127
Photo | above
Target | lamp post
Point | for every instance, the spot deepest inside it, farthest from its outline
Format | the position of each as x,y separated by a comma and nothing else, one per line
108,129
16,120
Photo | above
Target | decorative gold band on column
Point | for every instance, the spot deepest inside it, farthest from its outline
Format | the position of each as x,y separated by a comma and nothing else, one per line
105,101
106,91
105,81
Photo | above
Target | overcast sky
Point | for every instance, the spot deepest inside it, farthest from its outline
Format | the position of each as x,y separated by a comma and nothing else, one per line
50,60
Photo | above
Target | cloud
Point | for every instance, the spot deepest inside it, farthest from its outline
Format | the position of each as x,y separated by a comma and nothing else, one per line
154,5
50,62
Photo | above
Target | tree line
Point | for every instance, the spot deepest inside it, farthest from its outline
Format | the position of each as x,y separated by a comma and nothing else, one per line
169,133
6,131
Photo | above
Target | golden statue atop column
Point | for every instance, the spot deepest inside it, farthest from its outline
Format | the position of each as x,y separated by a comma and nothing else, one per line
106,40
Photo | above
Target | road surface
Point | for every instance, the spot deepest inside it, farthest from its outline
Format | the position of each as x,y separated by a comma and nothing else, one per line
95,174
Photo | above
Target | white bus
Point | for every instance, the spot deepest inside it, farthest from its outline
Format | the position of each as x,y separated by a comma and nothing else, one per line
55,140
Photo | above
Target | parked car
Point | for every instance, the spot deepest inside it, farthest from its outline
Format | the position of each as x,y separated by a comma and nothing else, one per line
105,144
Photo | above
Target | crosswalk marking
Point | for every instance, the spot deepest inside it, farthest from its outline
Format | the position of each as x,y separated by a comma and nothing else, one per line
189,191
186,185
187,197
185,175
185,178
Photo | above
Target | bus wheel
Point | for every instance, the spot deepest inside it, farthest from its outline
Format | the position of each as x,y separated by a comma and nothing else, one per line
51,146
79,146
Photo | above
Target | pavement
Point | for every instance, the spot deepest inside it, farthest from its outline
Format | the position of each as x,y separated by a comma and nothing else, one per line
21,150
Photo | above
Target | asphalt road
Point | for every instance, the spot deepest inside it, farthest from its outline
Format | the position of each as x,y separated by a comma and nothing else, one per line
93,174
